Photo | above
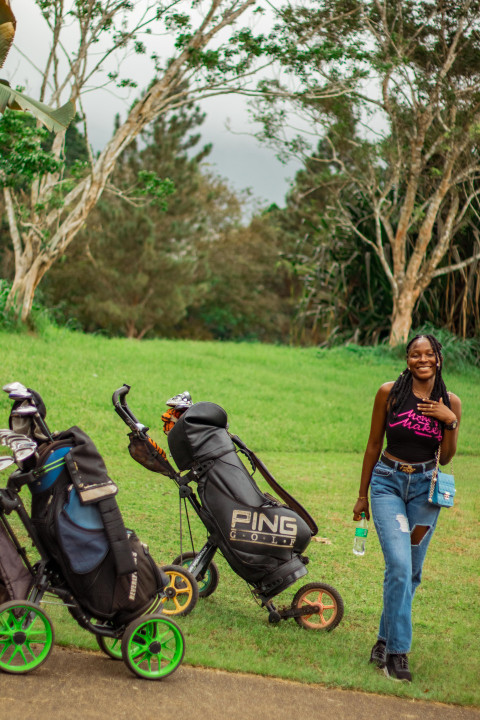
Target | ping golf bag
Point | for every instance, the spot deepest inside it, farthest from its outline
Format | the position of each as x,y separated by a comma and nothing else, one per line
261,538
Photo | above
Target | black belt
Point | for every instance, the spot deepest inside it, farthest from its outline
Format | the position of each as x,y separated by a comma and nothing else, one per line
408,467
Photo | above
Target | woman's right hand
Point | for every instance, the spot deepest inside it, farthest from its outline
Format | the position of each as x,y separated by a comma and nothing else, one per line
361,506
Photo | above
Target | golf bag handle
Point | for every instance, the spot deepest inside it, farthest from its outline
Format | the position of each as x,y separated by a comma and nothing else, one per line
122,409
140,431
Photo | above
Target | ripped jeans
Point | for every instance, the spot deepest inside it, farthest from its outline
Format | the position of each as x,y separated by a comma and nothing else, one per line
405,522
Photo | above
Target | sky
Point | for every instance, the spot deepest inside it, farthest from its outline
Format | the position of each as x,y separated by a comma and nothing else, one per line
236,156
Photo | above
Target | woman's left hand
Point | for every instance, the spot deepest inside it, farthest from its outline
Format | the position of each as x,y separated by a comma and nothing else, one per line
438,410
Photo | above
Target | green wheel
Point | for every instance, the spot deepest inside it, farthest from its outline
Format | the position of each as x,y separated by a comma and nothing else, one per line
208,582
26,636
153,647
110,646
181,593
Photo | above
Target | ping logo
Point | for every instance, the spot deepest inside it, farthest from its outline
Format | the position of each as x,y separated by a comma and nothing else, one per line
256,527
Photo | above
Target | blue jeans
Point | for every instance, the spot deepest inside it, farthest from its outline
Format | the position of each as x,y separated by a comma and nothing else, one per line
405,522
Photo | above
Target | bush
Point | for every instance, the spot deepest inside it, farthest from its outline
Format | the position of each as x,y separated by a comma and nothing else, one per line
40,319
460,354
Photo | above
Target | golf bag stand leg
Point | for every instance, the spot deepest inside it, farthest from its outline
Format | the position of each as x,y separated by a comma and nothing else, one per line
203,559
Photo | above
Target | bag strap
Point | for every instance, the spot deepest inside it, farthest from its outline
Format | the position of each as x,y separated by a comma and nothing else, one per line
117,536
281,492
434,475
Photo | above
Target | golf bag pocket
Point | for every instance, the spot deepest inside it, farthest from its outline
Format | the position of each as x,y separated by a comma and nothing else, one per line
81,534
84,548
49,473
138,591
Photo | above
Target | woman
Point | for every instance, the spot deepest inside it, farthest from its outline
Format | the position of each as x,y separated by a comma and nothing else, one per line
419,418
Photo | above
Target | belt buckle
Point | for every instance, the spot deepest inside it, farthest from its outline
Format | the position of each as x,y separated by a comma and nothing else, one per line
407,469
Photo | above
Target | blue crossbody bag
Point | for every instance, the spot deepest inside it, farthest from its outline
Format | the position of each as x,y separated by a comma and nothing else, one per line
442,487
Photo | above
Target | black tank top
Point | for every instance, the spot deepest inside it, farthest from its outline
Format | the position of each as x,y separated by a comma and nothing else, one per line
412,436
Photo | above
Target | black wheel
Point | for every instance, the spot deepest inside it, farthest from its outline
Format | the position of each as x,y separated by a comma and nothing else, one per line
208,582
26,636
110,646
153,647
181,593
324,597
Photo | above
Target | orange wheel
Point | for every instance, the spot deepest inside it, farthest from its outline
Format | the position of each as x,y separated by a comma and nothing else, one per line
324,597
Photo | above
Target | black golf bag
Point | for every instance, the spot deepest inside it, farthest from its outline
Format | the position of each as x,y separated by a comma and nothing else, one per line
261,538
78,522
77,518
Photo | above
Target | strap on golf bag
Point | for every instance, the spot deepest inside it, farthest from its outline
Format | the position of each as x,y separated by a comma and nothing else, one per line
281,492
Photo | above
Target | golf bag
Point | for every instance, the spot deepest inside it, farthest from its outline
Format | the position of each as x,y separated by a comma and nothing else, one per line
261,538
78,522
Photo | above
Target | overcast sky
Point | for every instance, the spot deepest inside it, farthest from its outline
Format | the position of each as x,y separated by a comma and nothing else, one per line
236,156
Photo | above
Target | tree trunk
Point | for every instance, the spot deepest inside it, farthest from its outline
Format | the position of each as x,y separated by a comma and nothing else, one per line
21,295
402,317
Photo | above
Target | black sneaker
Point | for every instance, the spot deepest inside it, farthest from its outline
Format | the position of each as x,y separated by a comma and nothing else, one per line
396,667
379,654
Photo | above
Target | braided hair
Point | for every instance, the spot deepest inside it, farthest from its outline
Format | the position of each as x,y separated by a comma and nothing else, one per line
402,386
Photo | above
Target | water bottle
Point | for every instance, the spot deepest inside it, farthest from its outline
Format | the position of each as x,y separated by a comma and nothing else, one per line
360,539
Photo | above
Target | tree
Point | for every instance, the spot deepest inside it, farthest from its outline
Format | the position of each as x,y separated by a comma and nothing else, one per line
134,271
410,157
47,213
337,286
246,294
182,268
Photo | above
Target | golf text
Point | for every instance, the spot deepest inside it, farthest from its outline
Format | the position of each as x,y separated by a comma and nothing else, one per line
256,527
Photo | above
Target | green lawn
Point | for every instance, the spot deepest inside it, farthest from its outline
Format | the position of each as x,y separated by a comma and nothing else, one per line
307,415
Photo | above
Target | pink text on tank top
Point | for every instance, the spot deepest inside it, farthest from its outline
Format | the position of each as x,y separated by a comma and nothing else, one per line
420,424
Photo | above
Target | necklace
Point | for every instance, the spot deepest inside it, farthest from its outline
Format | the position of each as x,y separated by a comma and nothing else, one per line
421,397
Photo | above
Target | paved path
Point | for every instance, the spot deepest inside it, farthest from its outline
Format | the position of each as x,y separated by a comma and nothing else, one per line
88,685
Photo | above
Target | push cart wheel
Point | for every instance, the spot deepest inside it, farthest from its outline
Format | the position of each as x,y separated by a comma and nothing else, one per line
26,636
208,582
324,597
153,646
181,593
110,646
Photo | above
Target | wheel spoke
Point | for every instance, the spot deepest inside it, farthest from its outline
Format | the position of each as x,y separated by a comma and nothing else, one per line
22,653
13,655
37,646
19,622
36,633
139,655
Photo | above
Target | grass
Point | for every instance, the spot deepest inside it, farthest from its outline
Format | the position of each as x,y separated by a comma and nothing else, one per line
307,415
